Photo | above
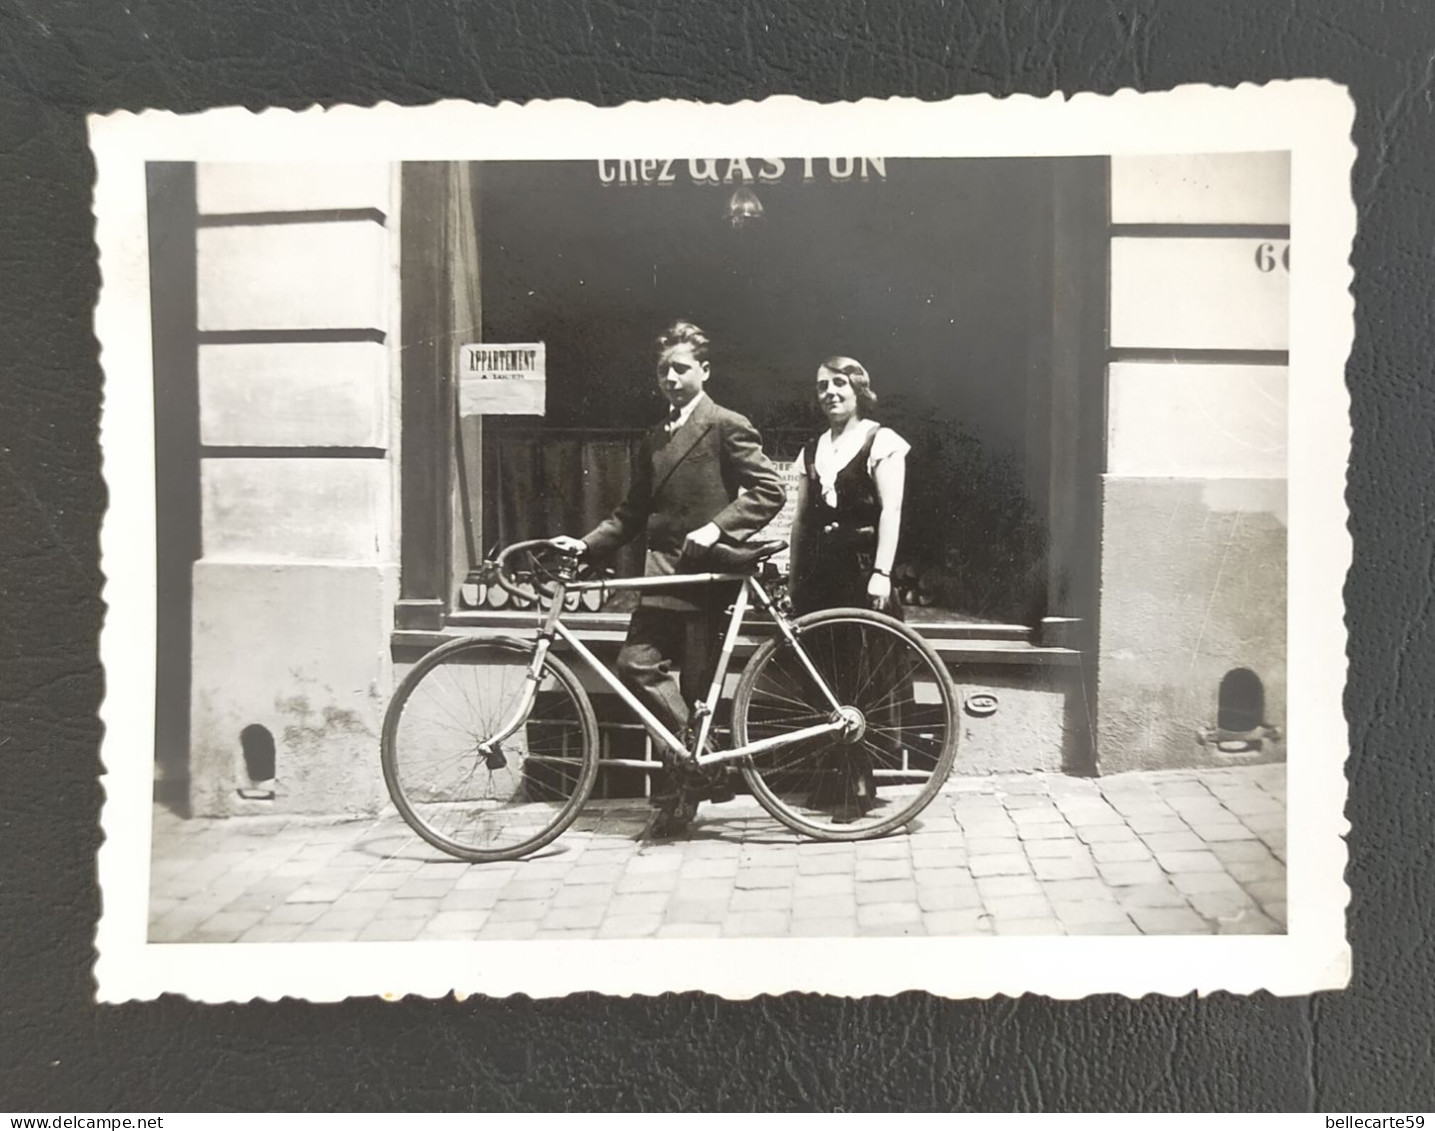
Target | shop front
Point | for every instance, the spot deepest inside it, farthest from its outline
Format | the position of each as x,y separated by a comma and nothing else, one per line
1086,355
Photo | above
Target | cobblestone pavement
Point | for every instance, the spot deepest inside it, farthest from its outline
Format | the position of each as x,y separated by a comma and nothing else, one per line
1154,853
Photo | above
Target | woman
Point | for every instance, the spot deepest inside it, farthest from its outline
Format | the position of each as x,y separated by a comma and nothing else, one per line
845,534
849,500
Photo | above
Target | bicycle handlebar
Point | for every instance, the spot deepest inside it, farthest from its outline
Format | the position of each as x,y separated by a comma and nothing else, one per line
501,576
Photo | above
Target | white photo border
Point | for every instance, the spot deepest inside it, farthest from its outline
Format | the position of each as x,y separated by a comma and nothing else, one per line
1310,118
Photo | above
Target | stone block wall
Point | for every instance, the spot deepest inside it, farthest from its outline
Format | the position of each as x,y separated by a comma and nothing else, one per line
297,299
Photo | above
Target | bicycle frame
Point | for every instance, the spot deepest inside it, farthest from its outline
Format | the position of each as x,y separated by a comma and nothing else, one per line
553,628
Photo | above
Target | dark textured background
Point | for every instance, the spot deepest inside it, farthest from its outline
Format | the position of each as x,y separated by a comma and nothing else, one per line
1367,1049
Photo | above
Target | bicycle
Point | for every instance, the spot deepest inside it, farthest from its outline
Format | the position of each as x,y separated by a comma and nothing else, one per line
490,744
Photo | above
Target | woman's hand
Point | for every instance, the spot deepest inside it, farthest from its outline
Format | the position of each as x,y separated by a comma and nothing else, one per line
879,589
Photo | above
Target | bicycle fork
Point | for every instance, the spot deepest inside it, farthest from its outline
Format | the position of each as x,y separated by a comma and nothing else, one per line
491,747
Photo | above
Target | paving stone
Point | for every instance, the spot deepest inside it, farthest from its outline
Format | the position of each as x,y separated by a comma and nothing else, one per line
948,898
1075,914
723,867
572,917
696,911
407,909
1222,905
1085,816
830,885
895,847
392,930
1190,883
1002,864
382,881
1126,873
482,899
272,932
822,907
467,923
692,931
1268,892
753,878
1186,841
518,910
981,831
1277,911
718,888
992,846
509,929
759,924
345,920
1242,851
227,922
887,914
1120,853
762,899
1044,925
884,869
926,841
830,927
1124,927
637,903
1046,814
1018,907
649,862
650,881
1057,850
1178,862
629,926
1213,834
886,891
489,876
1033,834
1063,869
588,895
938,859
996,887
1070,890
1148,825
1107,834
1168,921
290,913
327,935
1249,921
357,900
601,875
945,877
317,893
960,921
826,865
1150,895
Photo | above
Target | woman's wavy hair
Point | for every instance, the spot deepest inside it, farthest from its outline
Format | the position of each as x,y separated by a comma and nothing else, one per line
861,380
683,334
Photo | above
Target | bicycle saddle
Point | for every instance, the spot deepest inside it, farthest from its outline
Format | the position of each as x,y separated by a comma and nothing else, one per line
724,558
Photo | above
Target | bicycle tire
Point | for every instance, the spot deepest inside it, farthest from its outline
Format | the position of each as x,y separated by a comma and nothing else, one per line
911,725
447,791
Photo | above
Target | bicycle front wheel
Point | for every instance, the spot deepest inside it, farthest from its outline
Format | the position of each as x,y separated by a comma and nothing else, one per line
889,766
462,793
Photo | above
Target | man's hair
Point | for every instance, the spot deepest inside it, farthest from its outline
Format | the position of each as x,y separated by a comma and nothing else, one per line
684,334
856,373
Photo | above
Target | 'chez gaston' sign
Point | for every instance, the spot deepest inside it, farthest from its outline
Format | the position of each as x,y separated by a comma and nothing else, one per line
737,170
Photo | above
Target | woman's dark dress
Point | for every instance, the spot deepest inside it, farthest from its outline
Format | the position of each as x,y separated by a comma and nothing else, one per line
838,546
839,543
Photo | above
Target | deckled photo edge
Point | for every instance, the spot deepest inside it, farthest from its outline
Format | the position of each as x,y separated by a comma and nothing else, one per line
1311,954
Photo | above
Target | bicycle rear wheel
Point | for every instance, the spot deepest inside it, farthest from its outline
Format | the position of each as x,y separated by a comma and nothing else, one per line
885,772
480,804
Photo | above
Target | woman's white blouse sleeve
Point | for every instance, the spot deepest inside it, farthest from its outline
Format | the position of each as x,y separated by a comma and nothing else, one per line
885,445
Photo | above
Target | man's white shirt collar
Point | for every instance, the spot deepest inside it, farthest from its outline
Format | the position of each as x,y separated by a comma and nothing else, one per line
686,411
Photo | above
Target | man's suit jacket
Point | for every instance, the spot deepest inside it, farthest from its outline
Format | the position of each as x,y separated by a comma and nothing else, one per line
712,469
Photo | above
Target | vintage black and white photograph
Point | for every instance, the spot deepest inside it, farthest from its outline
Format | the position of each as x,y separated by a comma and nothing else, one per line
738,548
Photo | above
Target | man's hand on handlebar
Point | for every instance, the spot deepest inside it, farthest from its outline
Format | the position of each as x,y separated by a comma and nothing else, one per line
575,546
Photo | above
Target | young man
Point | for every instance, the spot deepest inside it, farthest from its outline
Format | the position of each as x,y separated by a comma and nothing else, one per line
702,477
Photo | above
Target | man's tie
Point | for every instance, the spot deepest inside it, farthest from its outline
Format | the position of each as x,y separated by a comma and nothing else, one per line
674,415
